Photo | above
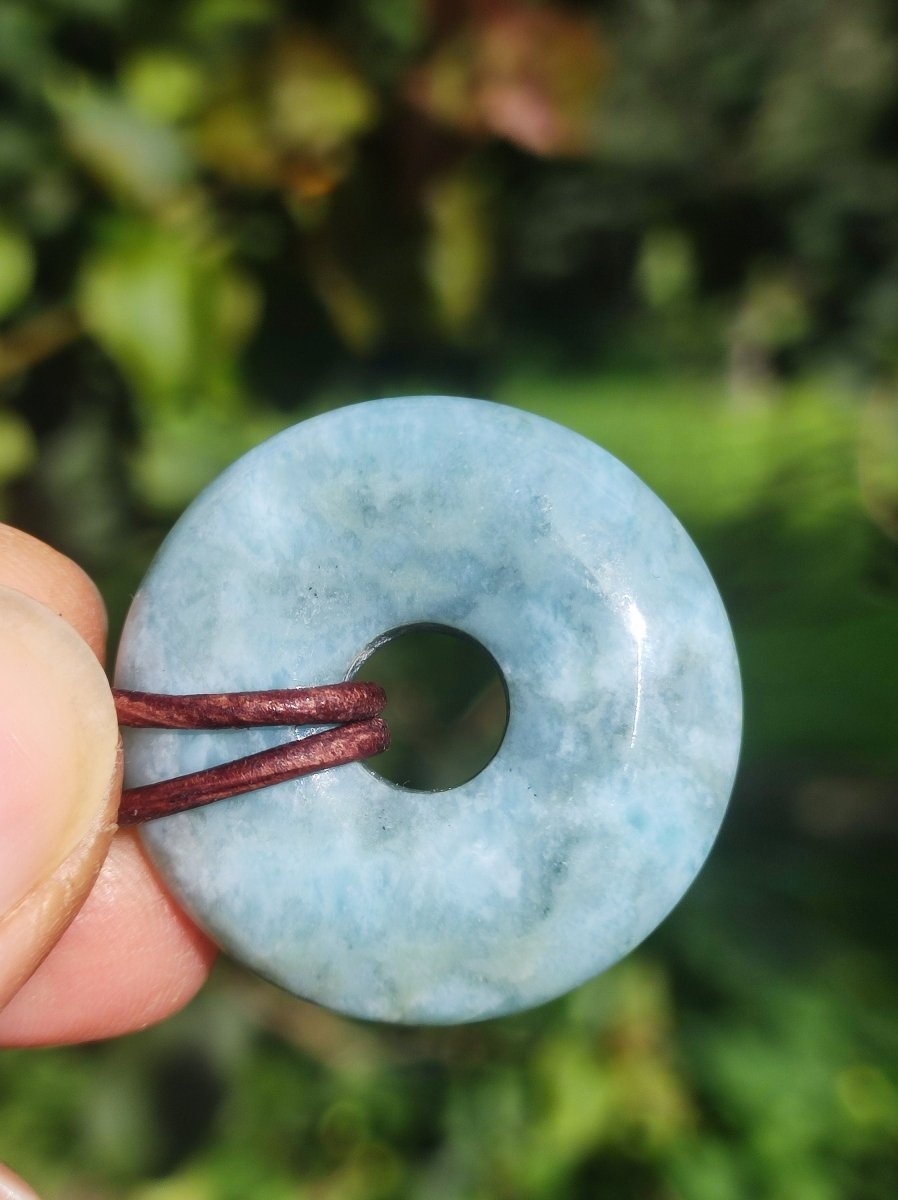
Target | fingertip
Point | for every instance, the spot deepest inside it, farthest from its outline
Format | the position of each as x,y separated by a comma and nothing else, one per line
33,567
60,767
14,1188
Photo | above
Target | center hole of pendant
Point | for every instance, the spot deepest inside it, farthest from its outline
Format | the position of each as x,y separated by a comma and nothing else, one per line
447,705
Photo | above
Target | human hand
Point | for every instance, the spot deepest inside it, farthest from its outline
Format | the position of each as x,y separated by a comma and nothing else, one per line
91,944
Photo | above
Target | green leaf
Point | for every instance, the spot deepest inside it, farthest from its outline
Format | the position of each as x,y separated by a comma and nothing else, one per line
458,258
171,310
16,269
135,297
319,102
163,86
17,446
666,268
135,158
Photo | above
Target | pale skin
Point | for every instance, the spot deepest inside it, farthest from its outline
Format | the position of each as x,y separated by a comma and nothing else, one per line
91,944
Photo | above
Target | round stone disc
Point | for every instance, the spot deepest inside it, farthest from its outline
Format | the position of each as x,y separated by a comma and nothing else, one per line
624,708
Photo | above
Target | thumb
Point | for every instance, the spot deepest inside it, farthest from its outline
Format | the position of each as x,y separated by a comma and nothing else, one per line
12,1187
59,772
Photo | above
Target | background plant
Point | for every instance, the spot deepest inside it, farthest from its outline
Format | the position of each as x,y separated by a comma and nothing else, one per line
671,224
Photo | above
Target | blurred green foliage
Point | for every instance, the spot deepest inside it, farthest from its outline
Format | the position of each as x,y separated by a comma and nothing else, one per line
670,224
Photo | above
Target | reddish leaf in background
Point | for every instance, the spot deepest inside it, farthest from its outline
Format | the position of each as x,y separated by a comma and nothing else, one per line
530,75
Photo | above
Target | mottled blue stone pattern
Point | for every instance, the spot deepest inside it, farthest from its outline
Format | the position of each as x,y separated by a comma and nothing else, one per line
624,696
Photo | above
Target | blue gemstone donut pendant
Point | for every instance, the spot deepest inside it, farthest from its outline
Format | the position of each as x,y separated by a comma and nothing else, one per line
624,708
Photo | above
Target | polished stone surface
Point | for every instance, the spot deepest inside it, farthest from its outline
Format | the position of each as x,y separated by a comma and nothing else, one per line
625,707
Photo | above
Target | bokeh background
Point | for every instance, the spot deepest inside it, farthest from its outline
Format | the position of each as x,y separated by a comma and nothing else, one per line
669,224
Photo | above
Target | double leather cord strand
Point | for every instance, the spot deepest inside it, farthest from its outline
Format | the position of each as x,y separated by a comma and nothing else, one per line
353,708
